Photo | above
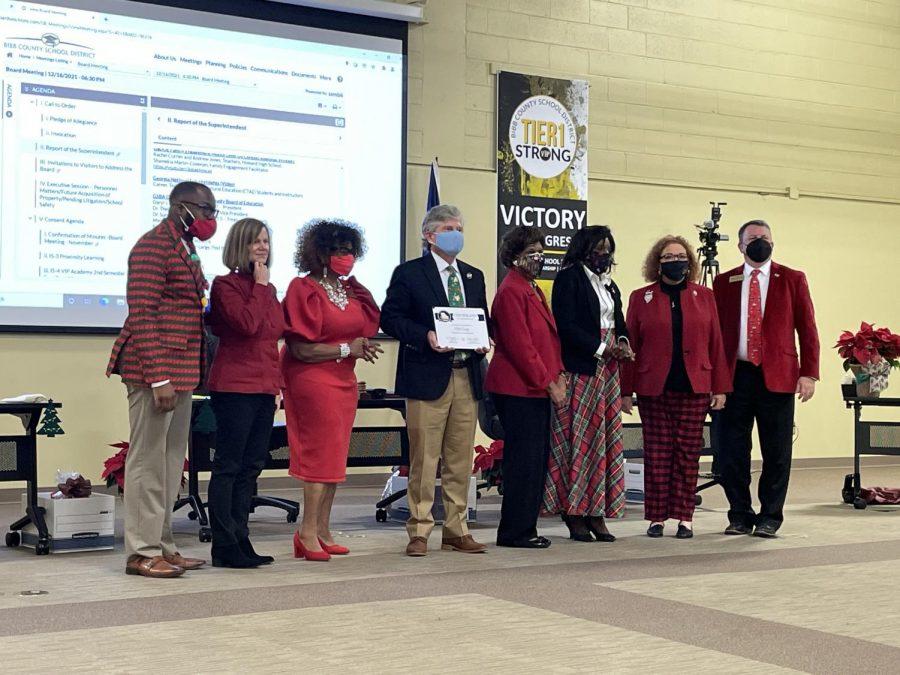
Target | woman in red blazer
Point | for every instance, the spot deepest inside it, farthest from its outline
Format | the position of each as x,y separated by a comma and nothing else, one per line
679,373
246,316
525,377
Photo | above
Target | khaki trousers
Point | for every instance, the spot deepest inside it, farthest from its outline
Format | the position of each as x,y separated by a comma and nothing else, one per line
153,469
441,430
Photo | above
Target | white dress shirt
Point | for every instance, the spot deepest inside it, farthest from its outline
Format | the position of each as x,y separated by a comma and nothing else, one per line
443,271
765,272
600,284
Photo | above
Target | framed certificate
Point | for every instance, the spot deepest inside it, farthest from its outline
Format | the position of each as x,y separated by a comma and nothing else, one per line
461,327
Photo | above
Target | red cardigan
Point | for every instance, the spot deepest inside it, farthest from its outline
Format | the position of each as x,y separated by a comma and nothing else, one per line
527,356
649,322
789,309
247,318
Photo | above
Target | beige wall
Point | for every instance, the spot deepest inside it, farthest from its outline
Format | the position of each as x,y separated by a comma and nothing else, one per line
691,100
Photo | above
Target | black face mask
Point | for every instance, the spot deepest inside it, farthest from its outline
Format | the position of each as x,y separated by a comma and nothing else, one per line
759,250
598,263
674,269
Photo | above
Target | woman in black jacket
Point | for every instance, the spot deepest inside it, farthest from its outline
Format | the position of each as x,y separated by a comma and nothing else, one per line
585,475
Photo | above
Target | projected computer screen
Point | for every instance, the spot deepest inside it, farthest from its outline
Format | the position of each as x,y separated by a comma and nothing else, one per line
107,105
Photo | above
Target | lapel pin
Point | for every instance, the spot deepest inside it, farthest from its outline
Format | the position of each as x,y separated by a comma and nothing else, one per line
468,275
648,296
776,274
695,294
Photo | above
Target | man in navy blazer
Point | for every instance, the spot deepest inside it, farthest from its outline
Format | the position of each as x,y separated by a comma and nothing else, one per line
442,385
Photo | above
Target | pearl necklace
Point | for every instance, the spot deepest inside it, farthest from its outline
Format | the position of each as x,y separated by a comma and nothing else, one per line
337,294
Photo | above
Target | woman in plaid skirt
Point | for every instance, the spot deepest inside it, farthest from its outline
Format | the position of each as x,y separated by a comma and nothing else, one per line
679,373
585,475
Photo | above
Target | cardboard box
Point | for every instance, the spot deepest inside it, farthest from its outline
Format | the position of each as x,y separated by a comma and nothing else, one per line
83,524
634,482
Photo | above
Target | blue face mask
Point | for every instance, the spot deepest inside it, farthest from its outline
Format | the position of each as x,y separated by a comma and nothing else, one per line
450,242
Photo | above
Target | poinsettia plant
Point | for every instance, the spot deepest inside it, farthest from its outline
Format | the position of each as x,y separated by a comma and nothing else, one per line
488,461
869,345
114,467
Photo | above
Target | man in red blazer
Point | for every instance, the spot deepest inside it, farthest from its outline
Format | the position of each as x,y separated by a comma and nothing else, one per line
762,305
159,355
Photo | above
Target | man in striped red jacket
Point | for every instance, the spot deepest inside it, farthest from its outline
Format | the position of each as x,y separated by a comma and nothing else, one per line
159,354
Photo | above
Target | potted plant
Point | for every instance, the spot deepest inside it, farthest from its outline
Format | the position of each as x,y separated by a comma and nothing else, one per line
489,461
114,467
869,354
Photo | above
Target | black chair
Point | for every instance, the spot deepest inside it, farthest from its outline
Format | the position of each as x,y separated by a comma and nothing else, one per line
488,419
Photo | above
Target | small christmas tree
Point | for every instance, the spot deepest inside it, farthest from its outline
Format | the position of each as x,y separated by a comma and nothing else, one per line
50,424
205,423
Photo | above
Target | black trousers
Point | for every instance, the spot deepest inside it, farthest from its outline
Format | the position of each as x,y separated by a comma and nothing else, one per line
243,428
526,450
774,416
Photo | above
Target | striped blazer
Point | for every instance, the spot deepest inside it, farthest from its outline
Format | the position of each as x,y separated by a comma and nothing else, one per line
162,338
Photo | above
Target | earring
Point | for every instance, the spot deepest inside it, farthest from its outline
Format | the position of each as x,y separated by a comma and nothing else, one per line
325,272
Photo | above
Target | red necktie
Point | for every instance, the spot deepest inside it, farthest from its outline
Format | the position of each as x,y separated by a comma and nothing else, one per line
754,321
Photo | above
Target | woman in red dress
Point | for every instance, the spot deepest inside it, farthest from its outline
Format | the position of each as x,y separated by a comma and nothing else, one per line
330,317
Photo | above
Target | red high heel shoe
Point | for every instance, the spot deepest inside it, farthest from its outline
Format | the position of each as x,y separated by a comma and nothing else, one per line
333,549
300,551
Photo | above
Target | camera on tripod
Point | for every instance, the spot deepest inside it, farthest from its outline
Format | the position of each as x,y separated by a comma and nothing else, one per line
710,238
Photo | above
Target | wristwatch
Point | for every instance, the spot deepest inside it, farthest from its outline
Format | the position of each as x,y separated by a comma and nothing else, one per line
345,351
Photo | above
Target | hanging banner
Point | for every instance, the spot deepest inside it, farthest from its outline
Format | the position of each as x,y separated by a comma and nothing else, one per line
542,176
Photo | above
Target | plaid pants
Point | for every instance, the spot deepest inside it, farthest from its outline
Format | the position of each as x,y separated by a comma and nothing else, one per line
586,470
672,425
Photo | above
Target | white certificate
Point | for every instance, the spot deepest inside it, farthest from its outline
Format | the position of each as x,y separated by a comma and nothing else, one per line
461,327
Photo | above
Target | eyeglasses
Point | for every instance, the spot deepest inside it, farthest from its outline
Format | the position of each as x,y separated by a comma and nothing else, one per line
209,211
671,257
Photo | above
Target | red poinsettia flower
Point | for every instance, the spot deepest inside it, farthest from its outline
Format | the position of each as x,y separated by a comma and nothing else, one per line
486,457
868,345
114,467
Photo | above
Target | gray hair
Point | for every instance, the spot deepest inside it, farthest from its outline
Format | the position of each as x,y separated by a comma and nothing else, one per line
756,221
439,214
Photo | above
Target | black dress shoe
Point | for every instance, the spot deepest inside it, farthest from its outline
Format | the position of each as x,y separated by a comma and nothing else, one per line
738,528
655,531
534,542
684,532
578,529
593,524
247,549
765,530
232,556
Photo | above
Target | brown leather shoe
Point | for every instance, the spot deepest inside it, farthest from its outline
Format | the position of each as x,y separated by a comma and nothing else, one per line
184,563
417,547
464,544
156,567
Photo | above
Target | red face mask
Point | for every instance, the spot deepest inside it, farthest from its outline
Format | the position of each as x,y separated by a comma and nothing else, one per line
342,265
200,228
